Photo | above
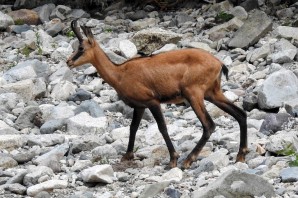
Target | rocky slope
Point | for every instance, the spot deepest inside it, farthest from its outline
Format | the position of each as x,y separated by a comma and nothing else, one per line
62,131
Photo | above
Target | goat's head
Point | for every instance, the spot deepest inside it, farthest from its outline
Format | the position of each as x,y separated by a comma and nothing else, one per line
84,54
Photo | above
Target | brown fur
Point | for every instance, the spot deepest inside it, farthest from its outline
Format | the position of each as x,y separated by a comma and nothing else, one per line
170,77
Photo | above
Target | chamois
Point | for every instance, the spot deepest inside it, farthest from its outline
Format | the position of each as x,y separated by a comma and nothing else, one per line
193,75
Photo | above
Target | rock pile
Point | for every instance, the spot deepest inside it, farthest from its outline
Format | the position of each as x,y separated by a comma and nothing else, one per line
63,132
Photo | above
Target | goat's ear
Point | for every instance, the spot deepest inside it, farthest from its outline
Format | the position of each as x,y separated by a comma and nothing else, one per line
87,31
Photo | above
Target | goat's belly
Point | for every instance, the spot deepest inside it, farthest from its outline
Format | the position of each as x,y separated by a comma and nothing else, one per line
172,100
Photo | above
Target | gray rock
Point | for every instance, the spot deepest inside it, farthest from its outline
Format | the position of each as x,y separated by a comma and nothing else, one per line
78,13
51,126
28,118
288,32
261,52
27,70
150,40
233,24
18,29
83,123
166,48
86,144
45,11
63,73
5,129
281,140
289,174
18,178
182,18
285,13
175,174
285,52
172,193
115,58
7,161
279,87
218,158
205,166
154,189
239,12
100,173
143,24
60,12
63,90
250,102
237,184
274,123
128,49
52,158
249,5
291,107
80,95
80,165
43,194
11,142
139,14
32,177
26,156
91,107
16,188
9,100
5,21
104,152
45,140
55,27
47,186
254,28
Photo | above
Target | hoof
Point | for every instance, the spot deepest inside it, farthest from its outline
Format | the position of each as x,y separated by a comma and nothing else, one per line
241,155
127,157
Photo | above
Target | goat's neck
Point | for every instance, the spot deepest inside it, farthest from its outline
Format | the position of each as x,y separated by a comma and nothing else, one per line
106,69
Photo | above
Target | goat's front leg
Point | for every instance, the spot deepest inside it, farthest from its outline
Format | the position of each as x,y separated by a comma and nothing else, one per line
197,103
137,117
157,114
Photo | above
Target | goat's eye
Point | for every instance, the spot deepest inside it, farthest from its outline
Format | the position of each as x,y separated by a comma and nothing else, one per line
81,48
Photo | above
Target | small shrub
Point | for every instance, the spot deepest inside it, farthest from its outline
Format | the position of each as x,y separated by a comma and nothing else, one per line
70,34
290,151
26,51
223,17
19,22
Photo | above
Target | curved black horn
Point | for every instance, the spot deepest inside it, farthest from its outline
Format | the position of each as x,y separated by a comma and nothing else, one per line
76,30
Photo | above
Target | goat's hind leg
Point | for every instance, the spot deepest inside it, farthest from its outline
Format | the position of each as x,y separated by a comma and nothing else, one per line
223,103
197,103
157,114
137,117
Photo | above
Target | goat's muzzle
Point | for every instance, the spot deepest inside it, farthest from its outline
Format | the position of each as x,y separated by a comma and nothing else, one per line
70,64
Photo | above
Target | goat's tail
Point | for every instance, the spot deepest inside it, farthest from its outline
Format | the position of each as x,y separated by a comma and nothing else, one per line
225,71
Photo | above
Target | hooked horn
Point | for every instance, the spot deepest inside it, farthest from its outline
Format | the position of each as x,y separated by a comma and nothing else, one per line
76,30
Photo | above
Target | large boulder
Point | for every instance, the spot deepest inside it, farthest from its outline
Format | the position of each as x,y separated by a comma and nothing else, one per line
281,141
5,21
284,52
25,16
279,87
27,70
254,28
150,40
100,173
288,32
237,184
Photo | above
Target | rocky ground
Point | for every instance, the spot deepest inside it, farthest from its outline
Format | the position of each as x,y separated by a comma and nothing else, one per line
63,132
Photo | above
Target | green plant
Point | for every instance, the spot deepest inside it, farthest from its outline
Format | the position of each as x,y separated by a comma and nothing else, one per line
26,51
108,30
19,22
223,17
290,151
70,34
38,43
